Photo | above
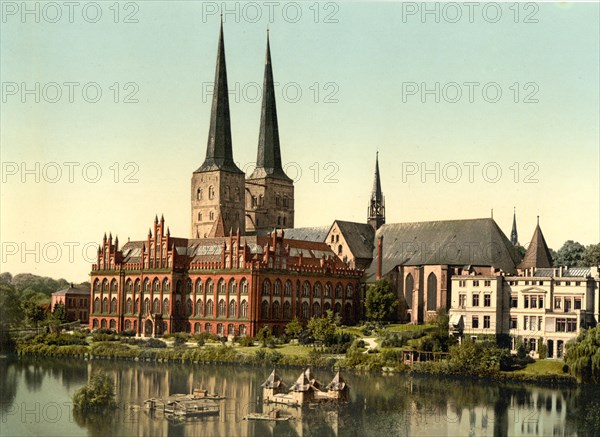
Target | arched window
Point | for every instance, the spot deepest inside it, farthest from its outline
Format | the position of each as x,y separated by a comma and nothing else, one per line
276,307
95,324
230,329
156,306
266,287
208,328
337,308
316,309
147,285
349,291
113,324
244,286
198,286
226,192
210,286
199,194
221,309
136,306
210,308
103,324
128,285
113,285
305,310
326,307
287,311
277,288
221,286
211,192
317,292
146,306
200,216
408,290
232,287
129,305
166,285
189,286
431,292
155,285
287,291
211,215
197,328
220,330
244,309
105,305
136,286
199,308
178,287
264,310
105,285
188,307
306,289
165,308
97,305
128,325
96,285
232,309
339,290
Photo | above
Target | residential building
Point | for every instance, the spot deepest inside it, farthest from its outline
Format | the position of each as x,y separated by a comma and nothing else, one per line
76,299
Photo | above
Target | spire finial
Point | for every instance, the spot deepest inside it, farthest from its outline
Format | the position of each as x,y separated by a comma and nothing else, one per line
492,212
538,220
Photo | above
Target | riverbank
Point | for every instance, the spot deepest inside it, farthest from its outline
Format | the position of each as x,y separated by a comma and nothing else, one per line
356,359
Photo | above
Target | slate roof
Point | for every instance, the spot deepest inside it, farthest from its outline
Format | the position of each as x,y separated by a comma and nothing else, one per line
74,289
537,254
317,234
359,237
579,272
478,242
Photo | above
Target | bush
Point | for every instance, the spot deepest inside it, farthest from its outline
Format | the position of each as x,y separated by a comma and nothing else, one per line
101,336
155,343
246,341
128,333
98,394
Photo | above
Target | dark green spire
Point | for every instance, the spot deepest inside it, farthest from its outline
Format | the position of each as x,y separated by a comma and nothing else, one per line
219,151
268,160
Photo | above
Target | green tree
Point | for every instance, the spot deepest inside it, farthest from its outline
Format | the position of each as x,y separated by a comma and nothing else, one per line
98,394
34,312
264,335
294,328
381,302
583,356
591,256
570,254
59,313
322,328
11,315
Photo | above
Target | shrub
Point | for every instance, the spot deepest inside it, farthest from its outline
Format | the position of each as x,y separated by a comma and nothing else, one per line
155,343
98,394
246,341
128,333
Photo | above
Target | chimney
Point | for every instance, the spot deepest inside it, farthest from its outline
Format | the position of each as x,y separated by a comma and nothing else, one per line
379,251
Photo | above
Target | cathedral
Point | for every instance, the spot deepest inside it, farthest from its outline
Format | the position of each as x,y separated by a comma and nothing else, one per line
246,266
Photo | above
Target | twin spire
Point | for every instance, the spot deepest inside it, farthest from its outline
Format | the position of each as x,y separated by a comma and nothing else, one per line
219,150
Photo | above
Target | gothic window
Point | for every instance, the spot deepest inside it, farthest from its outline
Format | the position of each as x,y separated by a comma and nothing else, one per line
136,306
277,288
209,308
288,288
128,285
316,309
232,287
128,306
97,305
188,307
211,192
189,286
156,306
317,292
244,309
221,308
287,311
211,215
266,287
339,249
155,285
105,305
337,308
96,285
210,287
431,292
349,291
306,289
338,291
276,307
136,286
208,328
408,290
326,307
232,308
328,290
166,286
165,307
199,194
146,306
305,310
220,329
198,286
264,313
221,286
244,286
199,216
105,285
199,307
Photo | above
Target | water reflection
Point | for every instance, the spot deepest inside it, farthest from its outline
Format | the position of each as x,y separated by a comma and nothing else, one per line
36,397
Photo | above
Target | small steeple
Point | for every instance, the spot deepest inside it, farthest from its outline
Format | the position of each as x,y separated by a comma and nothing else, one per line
537,254
219,151
376,216
268,159
514,238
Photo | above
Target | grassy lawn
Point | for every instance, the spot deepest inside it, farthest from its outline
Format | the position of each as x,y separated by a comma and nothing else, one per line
401,327
288,349
543,367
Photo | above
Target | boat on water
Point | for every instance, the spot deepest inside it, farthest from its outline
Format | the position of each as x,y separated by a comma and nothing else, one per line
274,415
184,405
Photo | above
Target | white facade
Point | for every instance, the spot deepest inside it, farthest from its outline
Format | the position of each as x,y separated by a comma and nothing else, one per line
547,306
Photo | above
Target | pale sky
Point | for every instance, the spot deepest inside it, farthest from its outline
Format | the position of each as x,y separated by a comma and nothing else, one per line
353,78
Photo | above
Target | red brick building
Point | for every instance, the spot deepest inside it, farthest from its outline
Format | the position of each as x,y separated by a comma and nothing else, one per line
222,285
76,300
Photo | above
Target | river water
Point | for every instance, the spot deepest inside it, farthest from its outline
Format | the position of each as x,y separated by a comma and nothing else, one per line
35,396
